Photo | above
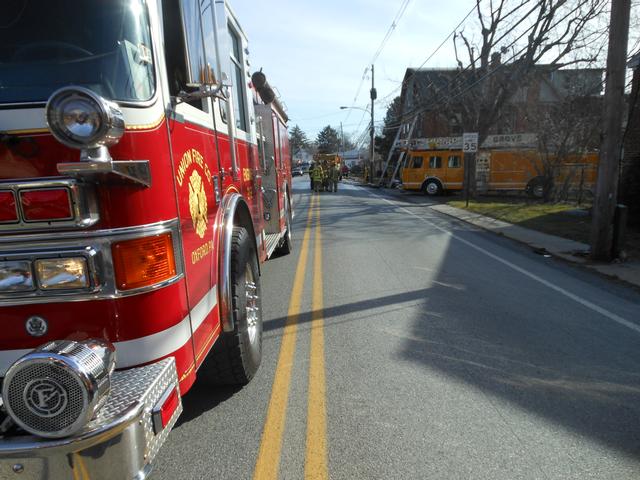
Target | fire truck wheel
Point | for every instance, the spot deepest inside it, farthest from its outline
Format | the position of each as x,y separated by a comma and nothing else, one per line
432,188
236,355
287,242
535,188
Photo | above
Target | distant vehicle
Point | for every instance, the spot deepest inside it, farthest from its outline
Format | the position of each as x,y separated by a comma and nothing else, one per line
298,172
506,163
305,167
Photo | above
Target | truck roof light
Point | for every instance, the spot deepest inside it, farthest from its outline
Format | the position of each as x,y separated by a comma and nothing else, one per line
47,204
8,212
142,262
80,118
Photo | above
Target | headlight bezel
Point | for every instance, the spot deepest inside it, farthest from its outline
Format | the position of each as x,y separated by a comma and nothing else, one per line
111,121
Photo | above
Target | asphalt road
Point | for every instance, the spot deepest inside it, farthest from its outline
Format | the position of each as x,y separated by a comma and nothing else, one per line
430,350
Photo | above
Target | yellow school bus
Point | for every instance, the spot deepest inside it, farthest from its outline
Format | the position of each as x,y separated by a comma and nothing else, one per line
436,170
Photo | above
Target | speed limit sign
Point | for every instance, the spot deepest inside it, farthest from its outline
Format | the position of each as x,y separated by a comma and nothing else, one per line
469,142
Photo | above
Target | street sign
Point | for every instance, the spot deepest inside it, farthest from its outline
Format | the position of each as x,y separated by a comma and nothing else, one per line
469,142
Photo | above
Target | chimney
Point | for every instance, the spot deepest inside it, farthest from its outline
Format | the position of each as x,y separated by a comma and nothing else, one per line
495,59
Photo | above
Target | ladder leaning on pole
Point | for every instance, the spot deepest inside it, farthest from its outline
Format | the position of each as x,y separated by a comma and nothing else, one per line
397,142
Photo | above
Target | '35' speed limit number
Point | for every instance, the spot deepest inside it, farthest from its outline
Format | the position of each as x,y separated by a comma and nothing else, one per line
469,142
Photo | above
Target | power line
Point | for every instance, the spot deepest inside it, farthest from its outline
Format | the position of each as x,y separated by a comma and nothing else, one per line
409,116
392,27
448,99
383,43
431,55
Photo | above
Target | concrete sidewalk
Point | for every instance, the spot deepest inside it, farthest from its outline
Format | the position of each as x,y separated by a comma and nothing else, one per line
543,243
546,244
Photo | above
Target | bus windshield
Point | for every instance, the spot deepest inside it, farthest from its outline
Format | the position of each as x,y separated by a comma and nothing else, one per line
104,45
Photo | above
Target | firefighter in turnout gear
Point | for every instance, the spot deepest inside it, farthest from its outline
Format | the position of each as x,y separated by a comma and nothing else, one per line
334,177
312,167
317,177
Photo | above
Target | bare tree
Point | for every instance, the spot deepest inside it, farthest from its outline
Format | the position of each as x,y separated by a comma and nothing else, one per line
515,36
567,131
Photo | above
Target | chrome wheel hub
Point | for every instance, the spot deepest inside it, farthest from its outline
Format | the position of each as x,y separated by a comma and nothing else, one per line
253,305
432,188
538,191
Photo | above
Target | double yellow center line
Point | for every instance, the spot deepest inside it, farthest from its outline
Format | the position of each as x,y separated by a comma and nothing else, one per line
268,462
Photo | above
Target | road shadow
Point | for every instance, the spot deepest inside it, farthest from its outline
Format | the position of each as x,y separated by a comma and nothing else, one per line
203,397
413,297
516,340
510,337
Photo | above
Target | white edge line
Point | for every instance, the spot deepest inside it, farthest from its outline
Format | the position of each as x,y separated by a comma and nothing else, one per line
585,303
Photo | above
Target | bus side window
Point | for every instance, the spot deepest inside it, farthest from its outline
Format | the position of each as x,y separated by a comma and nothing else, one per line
435,162
454,161
416,162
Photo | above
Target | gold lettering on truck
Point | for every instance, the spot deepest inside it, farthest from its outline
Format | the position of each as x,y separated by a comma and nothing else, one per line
201,252
192,170
198,203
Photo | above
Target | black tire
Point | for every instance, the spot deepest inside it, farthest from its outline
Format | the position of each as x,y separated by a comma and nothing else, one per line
432,188
286,246
236,356
535,188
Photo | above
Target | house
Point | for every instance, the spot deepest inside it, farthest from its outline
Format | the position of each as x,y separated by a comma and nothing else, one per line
440,97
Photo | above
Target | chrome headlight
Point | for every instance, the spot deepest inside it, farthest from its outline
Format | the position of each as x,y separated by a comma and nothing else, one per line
62,273
79,118
16,276
55,390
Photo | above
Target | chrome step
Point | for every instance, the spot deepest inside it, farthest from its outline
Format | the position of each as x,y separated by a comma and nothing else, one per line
272,240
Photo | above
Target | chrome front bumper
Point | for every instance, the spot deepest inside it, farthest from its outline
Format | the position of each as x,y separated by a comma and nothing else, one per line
120,443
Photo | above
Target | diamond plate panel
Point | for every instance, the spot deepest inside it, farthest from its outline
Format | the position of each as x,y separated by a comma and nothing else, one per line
144,384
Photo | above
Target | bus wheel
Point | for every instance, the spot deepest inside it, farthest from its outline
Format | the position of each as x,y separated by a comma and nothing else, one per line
432,188
236,356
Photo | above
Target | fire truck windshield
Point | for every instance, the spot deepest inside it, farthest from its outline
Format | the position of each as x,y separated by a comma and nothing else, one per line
104,45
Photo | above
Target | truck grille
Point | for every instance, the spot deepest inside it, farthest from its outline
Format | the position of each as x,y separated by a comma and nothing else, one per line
45,397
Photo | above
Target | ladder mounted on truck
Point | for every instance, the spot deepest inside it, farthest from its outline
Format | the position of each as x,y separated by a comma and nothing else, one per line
398,144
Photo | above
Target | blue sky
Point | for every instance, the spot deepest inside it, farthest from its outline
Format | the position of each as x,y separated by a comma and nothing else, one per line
315,53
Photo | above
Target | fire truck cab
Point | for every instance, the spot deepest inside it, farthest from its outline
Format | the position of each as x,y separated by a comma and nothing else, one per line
144,176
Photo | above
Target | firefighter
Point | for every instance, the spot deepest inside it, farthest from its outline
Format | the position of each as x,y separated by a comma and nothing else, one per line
334,177
317,177
311,168
326,170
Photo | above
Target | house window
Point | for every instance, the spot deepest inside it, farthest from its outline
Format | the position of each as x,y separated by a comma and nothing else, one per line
416,162
454,161
237,73
435,162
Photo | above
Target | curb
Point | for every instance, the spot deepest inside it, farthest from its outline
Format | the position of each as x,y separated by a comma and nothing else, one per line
621,270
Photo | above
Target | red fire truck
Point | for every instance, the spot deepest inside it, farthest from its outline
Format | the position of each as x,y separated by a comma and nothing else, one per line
144,176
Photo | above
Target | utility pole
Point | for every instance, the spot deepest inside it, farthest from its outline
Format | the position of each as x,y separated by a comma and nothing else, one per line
610,148
373,95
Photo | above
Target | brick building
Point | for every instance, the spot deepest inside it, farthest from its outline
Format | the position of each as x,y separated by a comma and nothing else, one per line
436,93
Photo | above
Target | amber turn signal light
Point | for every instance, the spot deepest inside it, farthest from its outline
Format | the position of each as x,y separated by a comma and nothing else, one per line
143,262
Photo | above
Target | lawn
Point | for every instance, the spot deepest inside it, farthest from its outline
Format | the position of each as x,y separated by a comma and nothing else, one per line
561,219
